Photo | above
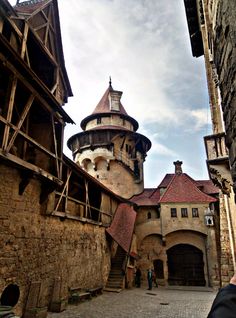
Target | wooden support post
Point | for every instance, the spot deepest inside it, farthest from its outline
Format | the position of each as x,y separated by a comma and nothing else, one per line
21,121
66,184
55,144
9,113
24,40
1,24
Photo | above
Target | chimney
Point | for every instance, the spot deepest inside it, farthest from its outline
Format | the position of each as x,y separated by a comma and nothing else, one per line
178,168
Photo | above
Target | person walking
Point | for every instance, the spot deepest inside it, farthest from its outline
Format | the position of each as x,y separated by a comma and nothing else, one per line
149,278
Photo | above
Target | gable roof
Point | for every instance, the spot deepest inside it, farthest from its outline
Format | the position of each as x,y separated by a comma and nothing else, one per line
183,188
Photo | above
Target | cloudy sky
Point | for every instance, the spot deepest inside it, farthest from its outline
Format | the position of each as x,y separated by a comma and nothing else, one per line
144,46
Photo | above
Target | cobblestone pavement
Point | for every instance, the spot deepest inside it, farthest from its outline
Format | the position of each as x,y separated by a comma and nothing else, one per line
142,303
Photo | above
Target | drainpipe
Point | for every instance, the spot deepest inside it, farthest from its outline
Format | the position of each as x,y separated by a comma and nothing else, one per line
207,263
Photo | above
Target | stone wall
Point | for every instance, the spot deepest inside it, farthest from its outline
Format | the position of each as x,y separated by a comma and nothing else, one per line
224,58
39,248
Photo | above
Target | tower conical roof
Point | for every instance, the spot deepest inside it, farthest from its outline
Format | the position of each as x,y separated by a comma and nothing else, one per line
104,108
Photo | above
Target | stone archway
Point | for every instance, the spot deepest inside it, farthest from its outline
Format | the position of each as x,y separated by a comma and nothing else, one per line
185,265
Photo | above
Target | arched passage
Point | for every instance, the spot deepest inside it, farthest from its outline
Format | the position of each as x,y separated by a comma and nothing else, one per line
185,266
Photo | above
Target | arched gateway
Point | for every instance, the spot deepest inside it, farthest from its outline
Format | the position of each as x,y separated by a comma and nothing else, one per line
185,266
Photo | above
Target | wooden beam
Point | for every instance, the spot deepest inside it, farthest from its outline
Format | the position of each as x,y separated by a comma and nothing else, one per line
21,121
1,24
24,40
55,143
29,86
28,138
27,165
9,112
65,185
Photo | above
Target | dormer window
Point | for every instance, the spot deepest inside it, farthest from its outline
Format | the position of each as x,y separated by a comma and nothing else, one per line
114,100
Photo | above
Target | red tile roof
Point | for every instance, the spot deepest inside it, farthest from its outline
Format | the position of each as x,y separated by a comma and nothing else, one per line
122,226
103,108
29,7
104,105
164,183
207,186
182,188
148,197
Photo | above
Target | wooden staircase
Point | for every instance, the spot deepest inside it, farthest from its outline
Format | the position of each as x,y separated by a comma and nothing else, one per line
116,278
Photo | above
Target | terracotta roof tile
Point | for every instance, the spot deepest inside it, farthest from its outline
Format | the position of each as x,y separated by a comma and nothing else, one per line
164,183
122,226
104,106
148,197
207,186
182,188
29,6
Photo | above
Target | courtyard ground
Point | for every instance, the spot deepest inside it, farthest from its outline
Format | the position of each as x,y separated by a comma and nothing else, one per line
142,303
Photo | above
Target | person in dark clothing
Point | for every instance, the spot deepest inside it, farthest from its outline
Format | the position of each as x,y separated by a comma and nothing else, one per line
138,277
224,304
149,278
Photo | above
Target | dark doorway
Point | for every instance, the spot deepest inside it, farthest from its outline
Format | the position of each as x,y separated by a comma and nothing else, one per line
158,268
10,295
185,266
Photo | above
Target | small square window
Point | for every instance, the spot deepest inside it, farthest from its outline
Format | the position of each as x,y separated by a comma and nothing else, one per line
195,213
173,212
184,212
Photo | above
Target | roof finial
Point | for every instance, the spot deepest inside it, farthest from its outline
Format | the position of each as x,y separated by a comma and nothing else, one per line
110,81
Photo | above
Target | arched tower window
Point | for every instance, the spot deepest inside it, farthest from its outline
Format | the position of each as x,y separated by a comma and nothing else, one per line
149,215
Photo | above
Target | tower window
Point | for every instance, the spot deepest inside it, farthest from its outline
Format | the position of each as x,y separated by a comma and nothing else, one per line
173,212
149,215
195,213
184,212
99,120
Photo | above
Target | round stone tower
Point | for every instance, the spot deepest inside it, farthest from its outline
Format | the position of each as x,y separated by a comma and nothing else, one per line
109,148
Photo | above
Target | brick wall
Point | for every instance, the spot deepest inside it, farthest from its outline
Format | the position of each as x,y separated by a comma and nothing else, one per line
39,248
224,56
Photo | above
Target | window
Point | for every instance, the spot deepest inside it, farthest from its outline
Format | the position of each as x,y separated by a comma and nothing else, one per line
173,212
158,213
184,212
195,213
99,120
149,215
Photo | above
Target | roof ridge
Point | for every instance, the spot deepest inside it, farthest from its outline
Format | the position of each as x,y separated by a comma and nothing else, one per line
167,188
195,188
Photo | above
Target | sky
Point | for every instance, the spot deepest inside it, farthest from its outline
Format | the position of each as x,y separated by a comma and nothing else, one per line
144,46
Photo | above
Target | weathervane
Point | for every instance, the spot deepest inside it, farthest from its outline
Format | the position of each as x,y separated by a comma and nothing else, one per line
110,81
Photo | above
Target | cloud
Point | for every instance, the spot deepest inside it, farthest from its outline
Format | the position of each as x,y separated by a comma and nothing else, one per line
144,46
